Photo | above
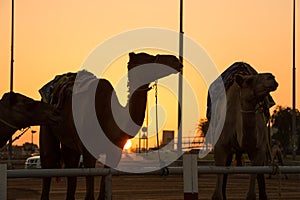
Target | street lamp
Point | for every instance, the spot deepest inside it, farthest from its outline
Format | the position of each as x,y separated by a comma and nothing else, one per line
32,132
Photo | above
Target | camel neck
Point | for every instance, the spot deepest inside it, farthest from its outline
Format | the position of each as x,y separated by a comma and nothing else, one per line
249,129
8,124
6,132
137,104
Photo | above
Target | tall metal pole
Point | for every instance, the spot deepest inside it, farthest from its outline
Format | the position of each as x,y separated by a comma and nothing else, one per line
179,142
294,134
11,75
12,47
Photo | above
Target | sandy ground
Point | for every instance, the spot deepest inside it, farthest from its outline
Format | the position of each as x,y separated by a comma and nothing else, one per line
154,187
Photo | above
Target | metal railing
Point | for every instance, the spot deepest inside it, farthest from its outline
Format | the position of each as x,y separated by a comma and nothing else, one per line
39,173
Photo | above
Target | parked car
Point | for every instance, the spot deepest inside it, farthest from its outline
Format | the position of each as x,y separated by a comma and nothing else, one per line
33,162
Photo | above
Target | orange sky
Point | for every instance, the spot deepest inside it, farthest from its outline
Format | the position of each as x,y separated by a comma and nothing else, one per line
54,37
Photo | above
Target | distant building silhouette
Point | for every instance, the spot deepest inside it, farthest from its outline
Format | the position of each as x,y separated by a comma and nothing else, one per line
168,139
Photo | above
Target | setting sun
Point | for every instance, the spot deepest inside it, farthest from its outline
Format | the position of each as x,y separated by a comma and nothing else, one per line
128,144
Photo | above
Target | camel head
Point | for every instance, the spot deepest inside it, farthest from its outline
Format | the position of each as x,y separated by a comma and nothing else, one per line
19,111
145,68
254,88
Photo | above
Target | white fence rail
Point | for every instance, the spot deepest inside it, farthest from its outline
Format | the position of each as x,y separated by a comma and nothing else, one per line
38,173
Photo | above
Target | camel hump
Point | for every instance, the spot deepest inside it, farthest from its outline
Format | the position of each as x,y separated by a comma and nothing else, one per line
228,77
50,90
55,91
8,99
241,68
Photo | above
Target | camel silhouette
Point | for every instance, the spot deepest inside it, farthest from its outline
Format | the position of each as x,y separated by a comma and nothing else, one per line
245,128
142,70
18,111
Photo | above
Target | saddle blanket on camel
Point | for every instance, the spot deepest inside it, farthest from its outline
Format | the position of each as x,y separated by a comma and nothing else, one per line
54,91
227,76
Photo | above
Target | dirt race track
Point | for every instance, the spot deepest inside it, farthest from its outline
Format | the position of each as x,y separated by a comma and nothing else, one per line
154,187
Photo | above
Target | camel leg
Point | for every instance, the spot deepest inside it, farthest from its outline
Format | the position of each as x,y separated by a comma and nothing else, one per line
258,159
72,161
262,187
50,157
280,160
238,158
71,188
251,195
251,191
102,194
218,189
89,181
102,189
221,157
225,176
89,162
113,158
46,188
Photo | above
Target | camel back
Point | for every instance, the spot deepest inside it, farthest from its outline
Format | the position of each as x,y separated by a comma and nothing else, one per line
56,90
228,79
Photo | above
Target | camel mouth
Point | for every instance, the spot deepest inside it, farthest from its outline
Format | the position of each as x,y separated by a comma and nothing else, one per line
177,66
272,88
180,67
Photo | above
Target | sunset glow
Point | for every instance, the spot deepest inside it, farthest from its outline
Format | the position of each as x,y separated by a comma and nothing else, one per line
55,37
128,145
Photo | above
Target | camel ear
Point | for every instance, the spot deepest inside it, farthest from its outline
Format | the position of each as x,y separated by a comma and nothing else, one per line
246,80
131,55
5,99
13,98
239,79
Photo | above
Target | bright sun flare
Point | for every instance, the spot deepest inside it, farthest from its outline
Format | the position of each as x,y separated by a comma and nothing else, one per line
128,144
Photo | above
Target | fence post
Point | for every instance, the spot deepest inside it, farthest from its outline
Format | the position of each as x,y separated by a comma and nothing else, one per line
3,181
108,186
190,177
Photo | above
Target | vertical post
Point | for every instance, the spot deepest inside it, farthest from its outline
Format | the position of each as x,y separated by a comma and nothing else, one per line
179,141
12,47
139,141
11,75
190,177
147,125
3,181
108,186
294,134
